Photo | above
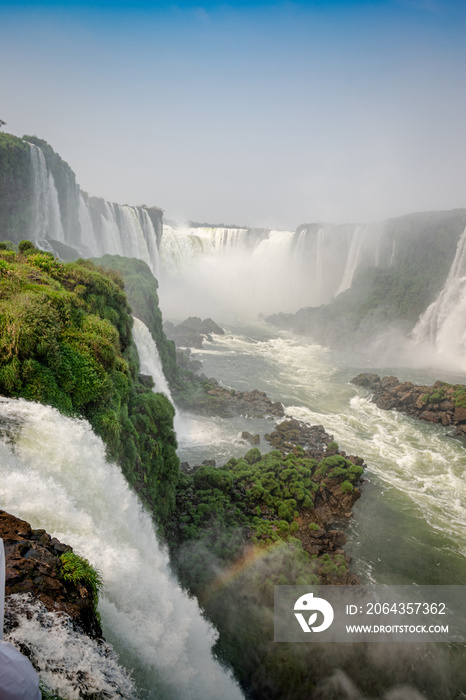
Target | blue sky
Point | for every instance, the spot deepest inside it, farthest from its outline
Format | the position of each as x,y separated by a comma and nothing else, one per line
258,113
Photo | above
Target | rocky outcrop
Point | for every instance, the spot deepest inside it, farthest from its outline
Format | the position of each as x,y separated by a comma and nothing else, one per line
312,438
33,567
255,404
319,530
441,402
192,332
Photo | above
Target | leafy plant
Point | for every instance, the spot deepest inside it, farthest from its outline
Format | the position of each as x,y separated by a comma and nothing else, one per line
77,570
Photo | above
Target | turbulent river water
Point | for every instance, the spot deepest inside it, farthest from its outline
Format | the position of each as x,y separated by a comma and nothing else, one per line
409,526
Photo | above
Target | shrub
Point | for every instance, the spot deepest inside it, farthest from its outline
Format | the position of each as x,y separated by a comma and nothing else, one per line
77,570
346,487
24,246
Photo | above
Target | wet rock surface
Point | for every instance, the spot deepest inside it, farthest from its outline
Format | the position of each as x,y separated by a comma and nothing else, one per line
440,403
33,566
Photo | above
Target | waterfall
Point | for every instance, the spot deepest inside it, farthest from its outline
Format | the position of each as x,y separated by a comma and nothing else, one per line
150,363
202,269
54,474
180,246
443,324
353,260
87,229
87,223
149,357
46,218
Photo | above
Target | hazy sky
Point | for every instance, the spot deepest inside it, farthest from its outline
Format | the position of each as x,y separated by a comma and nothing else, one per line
259,113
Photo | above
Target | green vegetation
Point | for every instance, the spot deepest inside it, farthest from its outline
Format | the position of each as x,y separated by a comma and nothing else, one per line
262,501
47,694
77,570
141,291
442,391
239,530
65,340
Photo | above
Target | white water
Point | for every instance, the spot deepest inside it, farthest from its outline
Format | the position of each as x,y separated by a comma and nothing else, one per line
443,325
68,661
47,218
423,469
354,258
54,474
149,357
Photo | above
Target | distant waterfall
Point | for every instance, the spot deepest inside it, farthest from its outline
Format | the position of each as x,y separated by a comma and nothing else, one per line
443,324
118,230
263,270
54,473
181,245
89,224
46,222
354,258
149,357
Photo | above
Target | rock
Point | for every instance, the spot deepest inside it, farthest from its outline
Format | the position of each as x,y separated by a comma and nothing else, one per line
192,332
33,566
440,403
337,537
209,463
459,415
312,438
228,403
367,380
252,439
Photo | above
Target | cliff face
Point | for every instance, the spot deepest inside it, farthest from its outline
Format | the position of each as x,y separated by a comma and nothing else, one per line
413,260
41,200
16,188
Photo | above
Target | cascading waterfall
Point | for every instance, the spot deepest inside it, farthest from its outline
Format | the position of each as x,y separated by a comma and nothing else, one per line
54,474
85,223
268,270
99,227
150,363
443,324
181,245
119,230
353,260
46,219
149,357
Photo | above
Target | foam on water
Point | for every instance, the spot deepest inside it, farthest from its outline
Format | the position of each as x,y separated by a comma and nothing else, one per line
55,475
426,467
68,661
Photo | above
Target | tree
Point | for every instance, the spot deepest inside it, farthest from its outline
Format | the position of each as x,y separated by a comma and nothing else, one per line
2,123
